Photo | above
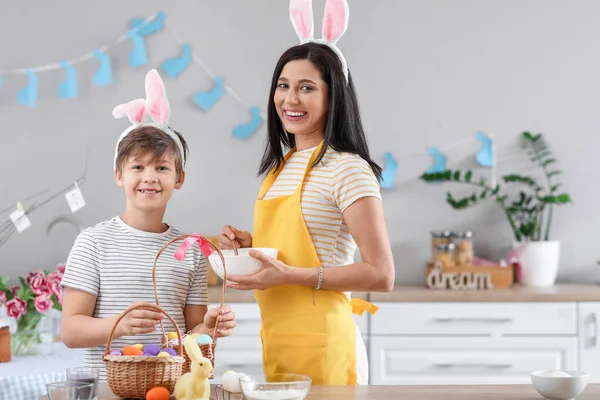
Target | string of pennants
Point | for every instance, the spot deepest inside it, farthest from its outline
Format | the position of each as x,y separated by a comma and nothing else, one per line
485,157
139,29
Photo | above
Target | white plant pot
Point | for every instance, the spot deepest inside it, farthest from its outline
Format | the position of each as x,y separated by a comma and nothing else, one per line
539,262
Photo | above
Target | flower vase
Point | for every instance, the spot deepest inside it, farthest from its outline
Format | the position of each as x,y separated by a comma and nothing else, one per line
33,341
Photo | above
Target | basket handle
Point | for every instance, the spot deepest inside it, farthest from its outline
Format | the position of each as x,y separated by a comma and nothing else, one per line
196,236
145,306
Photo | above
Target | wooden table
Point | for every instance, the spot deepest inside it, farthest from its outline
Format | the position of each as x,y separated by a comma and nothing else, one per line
458,392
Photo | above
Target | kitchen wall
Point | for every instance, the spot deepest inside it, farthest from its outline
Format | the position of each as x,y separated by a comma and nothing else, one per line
427,72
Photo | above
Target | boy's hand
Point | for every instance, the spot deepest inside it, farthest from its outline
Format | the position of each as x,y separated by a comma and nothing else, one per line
139,321
226,321
243,238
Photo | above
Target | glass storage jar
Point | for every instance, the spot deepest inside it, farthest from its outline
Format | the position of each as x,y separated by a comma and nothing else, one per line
444,255
464,248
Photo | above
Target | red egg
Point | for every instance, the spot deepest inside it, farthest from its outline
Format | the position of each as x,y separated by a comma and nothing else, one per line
158,393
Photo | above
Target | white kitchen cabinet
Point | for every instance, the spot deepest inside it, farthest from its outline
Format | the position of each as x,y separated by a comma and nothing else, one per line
434,343
589,339
522,318
467,360
451,342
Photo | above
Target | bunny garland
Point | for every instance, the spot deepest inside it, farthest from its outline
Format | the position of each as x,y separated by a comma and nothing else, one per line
155,105
335,23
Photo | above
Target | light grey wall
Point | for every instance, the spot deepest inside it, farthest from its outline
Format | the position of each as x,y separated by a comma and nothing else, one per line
427,73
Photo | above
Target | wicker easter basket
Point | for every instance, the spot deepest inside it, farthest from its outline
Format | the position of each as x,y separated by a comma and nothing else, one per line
134,376
208,350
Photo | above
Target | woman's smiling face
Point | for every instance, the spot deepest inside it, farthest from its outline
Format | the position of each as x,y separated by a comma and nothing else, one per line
301,99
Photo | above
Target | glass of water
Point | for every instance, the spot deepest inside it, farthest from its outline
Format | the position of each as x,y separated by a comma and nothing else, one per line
70,391
85,375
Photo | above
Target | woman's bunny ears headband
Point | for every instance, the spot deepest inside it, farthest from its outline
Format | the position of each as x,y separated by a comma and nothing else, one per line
335,23
155,105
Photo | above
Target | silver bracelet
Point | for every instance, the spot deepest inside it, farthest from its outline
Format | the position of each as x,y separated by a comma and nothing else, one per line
320,278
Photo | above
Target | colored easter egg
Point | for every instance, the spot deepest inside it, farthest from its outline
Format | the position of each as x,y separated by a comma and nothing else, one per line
172,335
139,346
132,351
158,393
171,351
204,339
163,354
151,349
116,353
195,335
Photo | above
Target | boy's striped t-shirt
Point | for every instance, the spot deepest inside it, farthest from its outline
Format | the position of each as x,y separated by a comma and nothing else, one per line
113,261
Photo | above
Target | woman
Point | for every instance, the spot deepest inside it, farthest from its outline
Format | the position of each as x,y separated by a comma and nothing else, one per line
316,204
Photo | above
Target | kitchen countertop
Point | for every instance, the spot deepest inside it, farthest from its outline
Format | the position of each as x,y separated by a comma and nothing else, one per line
247,296
416,293
559,292
459,392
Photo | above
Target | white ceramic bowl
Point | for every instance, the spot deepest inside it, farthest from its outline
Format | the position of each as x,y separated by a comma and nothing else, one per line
242,264
559,387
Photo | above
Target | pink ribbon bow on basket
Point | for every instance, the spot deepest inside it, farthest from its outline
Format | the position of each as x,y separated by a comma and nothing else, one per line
205,247
188,242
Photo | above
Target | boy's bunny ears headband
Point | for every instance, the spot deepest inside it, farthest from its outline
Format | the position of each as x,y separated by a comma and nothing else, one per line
335,23
155,105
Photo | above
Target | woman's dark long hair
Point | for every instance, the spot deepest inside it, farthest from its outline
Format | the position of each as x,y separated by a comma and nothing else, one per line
343,128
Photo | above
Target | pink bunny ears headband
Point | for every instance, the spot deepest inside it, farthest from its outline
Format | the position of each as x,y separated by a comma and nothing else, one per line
155,105
335,23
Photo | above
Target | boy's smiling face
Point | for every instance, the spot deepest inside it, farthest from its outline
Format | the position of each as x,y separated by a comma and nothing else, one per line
149,182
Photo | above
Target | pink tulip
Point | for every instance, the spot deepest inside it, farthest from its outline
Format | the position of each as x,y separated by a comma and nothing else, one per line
16,308
53,283
38,282
43,303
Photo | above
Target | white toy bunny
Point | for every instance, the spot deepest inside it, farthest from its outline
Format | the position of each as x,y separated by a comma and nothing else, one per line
195,384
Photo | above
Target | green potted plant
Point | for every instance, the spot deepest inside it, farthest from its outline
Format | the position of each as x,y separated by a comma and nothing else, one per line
529,212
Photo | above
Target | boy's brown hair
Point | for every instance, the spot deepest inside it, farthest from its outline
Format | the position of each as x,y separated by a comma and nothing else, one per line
150,139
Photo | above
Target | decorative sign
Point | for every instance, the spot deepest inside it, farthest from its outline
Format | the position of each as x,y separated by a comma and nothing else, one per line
458,279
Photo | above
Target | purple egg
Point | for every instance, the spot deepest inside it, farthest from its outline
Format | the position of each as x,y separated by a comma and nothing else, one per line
151,350
116,353
170,350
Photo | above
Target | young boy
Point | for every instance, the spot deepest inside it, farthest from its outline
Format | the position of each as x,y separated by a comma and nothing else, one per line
110,266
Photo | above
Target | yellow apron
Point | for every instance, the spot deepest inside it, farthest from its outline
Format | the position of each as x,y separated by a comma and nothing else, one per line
304,330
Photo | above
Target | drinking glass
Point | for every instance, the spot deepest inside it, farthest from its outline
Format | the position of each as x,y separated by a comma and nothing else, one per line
70,391
85,375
